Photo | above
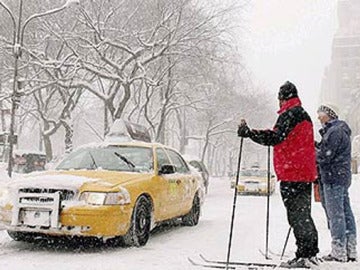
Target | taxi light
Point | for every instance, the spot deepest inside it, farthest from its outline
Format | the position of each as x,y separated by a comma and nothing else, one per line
122,130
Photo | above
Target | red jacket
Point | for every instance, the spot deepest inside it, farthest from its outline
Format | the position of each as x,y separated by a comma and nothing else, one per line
293,141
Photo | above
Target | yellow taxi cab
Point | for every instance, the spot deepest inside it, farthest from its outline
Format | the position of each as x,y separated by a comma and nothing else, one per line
118,189
253,181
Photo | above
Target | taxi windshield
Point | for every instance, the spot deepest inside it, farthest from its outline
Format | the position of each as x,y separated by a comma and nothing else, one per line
112,158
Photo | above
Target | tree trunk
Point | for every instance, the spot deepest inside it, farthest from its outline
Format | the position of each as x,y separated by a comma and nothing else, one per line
165,99
48,147
41,139
106,120
127,95
211,157
68,137
3,126
180,115
205,147
47,143
160,136
160,133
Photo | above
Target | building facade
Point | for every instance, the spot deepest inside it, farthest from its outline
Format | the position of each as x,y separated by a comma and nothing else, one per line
341,81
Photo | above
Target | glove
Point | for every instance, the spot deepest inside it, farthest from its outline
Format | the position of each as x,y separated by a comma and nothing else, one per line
243,130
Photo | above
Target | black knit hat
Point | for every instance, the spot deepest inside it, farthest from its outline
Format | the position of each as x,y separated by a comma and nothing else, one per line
287,91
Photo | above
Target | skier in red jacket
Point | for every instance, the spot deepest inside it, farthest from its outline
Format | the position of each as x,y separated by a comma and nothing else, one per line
295,166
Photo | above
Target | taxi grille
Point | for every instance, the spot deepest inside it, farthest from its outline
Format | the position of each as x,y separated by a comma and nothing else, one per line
65,194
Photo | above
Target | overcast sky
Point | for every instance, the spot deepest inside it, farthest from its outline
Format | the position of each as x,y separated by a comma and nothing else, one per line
290,40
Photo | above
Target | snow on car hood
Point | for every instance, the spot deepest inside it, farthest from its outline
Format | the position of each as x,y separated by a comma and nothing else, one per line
75,180
40,181
46,180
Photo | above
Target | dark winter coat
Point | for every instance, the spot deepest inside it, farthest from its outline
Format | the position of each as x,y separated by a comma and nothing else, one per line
334,153
293,141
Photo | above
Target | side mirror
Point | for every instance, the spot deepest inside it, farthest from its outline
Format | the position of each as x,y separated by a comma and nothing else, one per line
167,169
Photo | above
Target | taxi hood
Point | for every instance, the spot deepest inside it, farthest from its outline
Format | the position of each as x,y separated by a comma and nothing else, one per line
75,180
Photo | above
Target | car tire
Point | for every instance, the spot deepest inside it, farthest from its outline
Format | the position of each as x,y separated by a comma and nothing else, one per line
139,231
19,236
192,218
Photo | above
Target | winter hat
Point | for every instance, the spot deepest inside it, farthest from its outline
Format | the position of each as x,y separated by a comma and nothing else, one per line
287,91
330,109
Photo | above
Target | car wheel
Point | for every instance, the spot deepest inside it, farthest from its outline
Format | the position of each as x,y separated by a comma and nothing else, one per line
139,230
192,218
19,236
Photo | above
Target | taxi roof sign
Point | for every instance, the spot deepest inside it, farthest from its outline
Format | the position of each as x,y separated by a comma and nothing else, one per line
123,131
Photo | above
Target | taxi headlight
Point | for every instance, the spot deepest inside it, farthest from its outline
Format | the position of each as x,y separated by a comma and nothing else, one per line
106,198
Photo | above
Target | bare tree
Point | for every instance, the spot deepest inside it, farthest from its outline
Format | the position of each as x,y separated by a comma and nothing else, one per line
169,64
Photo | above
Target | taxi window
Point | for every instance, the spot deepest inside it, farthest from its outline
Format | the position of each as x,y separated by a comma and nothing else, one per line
162,158
178,162
113,158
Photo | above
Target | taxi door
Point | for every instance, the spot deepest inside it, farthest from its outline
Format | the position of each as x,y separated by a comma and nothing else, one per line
185,183
166,188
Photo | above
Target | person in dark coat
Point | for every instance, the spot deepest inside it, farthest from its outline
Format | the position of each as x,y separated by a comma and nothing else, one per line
334,159
295,166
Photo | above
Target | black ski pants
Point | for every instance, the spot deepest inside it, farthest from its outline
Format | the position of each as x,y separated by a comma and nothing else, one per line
297,200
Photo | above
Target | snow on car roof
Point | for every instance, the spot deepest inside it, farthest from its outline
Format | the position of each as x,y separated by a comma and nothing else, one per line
107,144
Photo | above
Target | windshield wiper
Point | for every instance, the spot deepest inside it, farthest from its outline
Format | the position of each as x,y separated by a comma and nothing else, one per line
93,165
128,162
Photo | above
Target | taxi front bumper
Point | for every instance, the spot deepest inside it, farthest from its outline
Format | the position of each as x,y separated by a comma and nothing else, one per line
95,221
254,189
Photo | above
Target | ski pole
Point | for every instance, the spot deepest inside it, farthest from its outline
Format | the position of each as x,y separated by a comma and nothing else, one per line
267,207
285,244
234,204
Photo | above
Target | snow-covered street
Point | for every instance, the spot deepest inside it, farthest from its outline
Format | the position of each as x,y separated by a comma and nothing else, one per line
170,248
118,115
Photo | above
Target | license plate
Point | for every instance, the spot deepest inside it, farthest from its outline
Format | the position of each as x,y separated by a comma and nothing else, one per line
251,187
35,218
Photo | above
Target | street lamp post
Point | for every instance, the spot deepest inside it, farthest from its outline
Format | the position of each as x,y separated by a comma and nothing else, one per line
18,38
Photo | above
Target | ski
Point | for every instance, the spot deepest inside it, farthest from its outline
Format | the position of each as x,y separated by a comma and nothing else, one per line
209,265
250,265
267,257
217,264
229,266
272,253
